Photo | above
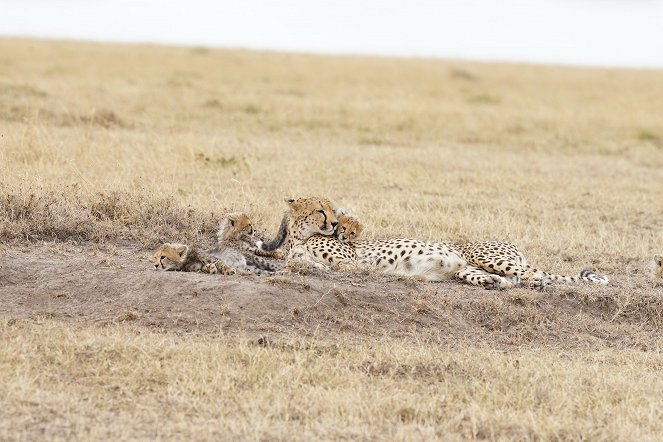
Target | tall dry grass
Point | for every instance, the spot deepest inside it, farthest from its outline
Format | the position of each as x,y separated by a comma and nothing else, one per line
564,162
70,214
72,383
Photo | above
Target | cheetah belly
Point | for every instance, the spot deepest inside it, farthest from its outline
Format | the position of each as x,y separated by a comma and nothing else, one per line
230,257
408,257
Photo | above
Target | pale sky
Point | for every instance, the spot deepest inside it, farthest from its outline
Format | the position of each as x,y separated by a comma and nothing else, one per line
585,32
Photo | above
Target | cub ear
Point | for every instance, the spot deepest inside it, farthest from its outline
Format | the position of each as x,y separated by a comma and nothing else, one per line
182,249
658,259
291,202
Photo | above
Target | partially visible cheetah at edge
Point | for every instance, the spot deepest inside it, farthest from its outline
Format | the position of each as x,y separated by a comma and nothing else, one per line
656,268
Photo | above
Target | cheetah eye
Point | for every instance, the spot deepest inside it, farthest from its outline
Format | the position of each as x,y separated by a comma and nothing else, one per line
321,211
343,229
352,235
163,257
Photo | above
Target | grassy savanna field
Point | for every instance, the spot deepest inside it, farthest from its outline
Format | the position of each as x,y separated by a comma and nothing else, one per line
108,150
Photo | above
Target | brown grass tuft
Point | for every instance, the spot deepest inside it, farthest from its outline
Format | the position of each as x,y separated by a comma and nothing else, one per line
72,215
127,316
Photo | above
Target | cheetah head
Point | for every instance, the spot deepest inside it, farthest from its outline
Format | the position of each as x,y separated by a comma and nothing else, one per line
309,216
170,256
234,225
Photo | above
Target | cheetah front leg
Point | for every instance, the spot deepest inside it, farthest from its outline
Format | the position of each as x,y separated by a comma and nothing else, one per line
275,254
352,266
516,273
480,278
299,257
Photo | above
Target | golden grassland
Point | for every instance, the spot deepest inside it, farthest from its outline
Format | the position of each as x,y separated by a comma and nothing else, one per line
116,144
559,160
62,381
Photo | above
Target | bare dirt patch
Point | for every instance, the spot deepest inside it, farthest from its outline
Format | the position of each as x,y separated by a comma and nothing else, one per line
104,284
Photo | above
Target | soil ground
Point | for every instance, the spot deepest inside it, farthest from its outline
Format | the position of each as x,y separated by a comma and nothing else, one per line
100,285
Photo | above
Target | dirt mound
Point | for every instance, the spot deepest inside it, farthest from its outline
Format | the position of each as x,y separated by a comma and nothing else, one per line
107,285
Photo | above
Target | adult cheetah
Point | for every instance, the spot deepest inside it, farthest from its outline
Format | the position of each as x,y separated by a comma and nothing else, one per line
489,264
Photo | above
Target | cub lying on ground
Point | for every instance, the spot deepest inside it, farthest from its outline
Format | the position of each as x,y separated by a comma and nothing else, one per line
180,257
236,230
235,251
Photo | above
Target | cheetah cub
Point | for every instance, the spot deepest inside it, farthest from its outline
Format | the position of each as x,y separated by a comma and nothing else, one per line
236,242
656,267
349,228
181,257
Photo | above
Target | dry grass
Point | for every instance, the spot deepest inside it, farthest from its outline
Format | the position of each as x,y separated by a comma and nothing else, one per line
70,214
565,163
65,382
117,144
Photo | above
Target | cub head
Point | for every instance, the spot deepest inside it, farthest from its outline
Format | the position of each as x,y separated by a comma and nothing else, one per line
309,216
170,256
233,225
349,228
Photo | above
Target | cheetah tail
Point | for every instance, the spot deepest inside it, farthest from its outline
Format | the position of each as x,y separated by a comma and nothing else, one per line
280,236
584,276
590,276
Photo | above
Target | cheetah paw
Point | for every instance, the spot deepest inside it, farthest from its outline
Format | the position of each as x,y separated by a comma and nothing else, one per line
539,282
209,268
224,269
496,282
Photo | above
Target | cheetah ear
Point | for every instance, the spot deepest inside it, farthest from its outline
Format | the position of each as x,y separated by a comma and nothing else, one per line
291,202
182,249
659,260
